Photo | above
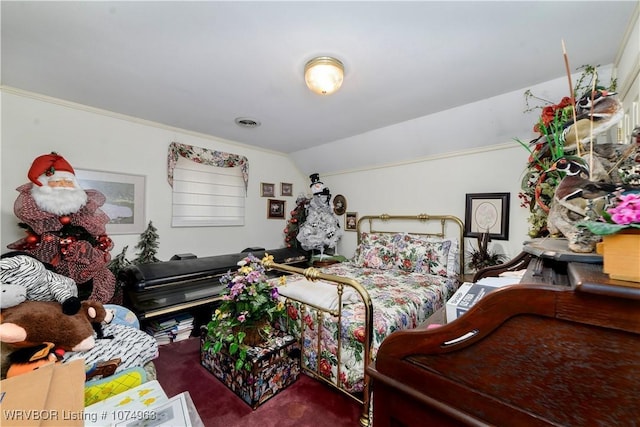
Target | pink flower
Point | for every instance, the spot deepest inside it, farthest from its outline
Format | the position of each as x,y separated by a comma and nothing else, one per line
236,289
627,211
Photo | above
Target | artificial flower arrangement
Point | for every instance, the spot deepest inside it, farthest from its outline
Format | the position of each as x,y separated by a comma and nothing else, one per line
623,214
539,183
249,305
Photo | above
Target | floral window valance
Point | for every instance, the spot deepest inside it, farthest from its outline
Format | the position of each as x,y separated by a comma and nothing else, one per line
205,157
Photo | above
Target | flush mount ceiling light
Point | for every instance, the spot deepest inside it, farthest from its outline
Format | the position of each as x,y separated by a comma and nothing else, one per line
324,75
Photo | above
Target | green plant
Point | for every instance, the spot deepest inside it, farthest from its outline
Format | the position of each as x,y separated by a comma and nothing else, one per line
482,257
249,304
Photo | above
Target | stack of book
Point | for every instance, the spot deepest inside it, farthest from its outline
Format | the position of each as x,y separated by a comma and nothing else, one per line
171,329
183,327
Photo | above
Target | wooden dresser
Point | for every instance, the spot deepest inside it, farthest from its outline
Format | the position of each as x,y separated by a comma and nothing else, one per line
562,348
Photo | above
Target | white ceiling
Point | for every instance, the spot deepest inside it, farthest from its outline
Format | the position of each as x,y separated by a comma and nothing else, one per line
199,65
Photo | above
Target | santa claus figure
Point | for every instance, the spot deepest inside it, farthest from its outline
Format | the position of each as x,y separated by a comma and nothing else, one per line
65,226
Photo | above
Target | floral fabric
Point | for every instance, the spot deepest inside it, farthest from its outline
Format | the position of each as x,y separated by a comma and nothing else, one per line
409,253
206,157
401,300
272,368
376,251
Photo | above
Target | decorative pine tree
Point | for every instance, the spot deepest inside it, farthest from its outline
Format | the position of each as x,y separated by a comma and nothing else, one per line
116,265
119,262
298,216
148,246
321,229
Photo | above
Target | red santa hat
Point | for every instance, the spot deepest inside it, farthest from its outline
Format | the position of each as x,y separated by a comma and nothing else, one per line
48,164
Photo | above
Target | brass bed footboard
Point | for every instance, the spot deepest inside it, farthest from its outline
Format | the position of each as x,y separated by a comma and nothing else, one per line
340,282
423,225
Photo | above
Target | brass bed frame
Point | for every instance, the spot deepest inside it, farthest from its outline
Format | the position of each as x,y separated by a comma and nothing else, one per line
368,224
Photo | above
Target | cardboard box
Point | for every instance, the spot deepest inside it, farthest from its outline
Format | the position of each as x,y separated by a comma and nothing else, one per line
274,366
52,395
468,294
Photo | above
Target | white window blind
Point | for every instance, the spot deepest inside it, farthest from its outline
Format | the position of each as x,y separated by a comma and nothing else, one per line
205,195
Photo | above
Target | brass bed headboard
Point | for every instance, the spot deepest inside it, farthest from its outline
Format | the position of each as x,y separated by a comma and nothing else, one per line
442,226
439,226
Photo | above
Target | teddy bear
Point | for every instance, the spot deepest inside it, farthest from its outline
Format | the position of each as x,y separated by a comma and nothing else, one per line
35,322
22,277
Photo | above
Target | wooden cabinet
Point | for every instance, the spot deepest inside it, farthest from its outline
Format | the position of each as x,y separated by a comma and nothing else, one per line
536,354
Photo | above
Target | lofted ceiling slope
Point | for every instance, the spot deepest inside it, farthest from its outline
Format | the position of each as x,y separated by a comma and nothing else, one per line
200,65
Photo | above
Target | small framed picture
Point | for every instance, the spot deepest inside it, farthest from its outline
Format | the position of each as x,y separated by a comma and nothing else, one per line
275,209
351,221
339,204
286,189
267,190
487,213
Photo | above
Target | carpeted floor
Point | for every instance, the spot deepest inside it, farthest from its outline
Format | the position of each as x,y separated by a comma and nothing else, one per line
305,403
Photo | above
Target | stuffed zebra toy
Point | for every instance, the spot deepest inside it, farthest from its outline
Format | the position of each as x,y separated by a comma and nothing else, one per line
23,278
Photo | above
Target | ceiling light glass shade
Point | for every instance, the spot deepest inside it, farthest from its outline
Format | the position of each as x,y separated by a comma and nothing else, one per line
324,75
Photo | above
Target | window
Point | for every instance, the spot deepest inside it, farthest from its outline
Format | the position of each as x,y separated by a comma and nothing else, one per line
209,187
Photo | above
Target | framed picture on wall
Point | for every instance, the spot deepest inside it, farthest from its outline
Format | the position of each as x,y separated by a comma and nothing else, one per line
487,213
275,209
125,198
267,189
339,204
351,221
286,189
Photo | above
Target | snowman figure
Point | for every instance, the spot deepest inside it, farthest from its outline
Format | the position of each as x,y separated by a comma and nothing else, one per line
321,229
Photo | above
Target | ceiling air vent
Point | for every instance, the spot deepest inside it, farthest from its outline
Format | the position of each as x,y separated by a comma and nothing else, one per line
245,122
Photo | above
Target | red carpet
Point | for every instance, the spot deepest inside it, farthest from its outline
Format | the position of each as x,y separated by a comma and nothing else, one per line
305,403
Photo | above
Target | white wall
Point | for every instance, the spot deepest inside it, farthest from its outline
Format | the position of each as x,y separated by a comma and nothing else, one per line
628,67
437,185
97,140
430,183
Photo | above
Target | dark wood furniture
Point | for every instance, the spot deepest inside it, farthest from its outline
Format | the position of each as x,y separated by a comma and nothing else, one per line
532,354
165,288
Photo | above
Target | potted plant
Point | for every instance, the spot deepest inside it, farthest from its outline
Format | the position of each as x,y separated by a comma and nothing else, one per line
249,305
483,257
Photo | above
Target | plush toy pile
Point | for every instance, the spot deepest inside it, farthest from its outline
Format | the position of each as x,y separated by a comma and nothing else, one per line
34,332
32,323
25,278
41,313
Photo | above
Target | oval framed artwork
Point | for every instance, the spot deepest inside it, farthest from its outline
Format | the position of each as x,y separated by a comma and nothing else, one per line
339,204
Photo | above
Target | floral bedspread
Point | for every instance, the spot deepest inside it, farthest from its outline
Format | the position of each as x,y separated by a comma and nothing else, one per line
401,300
